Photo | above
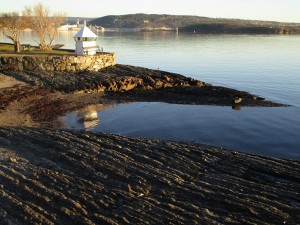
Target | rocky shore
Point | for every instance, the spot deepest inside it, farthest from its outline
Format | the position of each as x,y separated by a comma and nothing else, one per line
139,84
38,98
51,176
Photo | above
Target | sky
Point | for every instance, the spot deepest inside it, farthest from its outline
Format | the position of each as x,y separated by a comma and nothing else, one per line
271,10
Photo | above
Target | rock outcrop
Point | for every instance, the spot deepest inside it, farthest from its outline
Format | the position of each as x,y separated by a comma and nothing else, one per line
56,176
117,78
129,83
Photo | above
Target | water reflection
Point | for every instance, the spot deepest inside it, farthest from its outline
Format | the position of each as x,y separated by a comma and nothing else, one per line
256,130
86,118
66,38
236,107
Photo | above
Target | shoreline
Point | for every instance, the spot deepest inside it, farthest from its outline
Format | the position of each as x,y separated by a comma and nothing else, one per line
54,175
37,99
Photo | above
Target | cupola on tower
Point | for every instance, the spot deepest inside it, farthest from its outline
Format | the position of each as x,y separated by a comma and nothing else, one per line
86,41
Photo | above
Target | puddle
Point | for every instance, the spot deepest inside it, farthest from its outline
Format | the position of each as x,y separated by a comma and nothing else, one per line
257,130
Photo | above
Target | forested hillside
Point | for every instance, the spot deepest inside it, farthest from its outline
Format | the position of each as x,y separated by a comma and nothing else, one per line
194,24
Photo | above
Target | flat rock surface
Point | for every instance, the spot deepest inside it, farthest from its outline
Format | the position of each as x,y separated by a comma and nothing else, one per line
50,176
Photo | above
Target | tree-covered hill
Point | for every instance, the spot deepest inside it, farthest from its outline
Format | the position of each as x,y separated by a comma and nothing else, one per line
194,24
231,28
147,21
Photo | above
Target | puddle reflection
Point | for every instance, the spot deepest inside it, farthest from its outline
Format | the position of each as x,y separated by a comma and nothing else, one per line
86,118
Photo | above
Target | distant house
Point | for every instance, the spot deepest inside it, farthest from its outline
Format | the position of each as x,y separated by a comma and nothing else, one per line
69,27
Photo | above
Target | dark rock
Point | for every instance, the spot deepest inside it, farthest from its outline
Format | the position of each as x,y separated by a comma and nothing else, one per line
98,178
122,78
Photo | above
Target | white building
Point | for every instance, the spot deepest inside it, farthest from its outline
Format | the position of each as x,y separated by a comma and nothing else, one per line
86,41
67,27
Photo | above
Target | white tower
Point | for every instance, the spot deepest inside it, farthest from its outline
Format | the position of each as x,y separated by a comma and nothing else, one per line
86,41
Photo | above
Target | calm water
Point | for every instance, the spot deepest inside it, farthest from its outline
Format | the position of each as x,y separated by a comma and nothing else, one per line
264,65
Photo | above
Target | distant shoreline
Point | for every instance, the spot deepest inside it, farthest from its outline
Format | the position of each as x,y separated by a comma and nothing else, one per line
192,24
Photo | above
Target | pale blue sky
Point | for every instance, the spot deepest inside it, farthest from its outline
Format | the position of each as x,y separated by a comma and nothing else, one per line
275,10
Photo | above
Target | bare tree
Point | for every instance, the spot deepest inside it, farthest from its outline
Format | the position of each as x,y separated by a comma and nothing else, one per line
11,25
44,25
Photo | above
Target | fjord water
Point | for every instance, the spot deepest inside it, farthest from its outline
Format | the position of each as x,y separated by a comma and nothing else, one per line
266,65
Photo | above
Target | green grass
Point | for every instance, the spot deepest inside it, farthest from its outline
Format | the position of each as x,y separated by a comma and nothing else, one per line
6,48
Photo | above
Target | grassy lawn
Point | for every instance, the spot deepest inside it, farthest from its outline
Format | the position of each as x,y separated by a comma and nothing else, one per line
6,48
